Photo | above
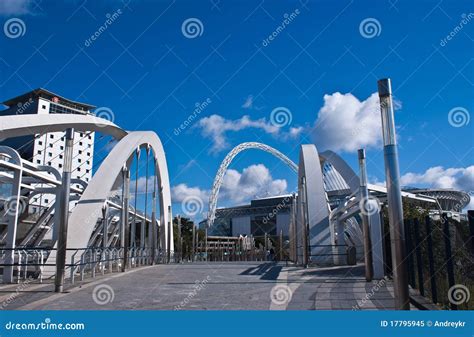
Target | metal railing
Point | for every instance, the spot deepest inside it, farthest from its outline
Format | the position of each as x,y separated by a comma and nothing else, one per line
30,262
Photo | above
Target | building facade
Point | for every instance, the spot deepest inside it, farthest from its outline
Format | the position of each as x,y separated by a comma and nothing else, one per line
48,149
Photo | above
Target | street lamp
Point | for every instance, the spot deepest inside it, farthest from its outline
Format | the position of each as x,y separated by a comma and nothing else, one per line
394,196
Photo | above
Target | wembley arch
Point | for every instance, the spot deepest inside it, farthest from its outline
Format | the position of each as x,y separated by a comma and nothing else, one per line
225,164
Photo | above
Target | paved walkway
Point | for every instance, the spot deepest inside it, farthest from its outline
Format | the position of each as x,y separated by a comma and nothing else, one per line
212,286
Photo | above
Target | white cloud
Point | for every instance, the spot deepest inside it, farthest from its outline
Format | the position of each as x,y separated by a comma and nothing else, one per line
216,127
15,7
180,192
439,177
248,104
345,123
237,187
254,181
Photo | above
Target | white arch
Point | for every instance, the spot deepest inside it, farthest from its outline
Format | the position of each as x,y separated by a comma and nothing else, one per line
24,125
89,208
225,164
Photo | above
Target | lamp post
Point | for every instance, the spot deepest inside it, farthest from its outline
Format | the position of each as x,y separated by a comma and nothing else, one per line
364,201
394,196
64,215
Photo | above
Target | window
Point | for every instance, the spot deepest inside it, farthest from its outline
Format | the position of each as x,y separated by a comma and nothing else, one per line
80,143
40,142
43,106
80,151
79,160
60,165
88,162
78,169
51,136
38,161
51,145
61,147
88,154
50,154
87,170
39,151
49,163
81,134
90,137
60,156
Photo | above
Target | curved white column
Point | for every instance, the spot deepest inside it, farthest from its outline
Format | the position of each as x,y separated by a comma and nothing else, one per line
89,208
313,208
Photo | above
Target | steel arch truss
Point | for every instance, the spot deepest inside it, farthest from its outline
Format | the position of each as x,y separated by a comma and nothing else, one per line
225,164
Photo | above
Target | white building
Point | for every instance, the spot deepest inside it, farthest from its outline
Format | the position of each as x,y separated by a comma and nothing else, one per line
48,149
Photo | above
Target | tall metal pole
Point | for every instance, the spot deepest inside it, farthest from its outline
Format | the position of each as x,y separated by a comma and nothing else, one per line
394,196
180,240
64,215
168,244
364,197
193,251
125,243
153,218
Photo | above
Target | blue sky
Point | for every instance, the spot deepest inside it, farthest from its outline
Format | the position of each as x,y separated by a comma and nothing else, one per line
151,75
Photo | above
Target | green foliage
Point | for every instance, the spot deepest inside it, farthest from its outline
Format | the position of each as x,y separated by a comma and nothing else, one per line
460,250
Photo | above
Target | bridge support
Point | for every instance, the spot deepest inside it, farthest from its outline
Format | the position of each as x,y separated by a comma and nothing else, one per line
11,209
313,210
